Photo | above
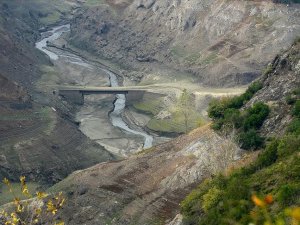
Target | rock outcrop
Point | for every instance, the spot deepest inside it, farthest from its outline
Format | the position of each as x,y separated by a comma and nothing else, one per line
280,81
147,187
221,42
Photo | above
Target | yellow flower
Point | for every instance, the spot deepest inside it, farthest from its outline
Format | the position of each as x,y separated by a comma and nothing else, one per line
16,201
51,207
22,179
62,202
25,190
60,223
6,181
20,208
41,195
14,218
295,213
38,211
258,202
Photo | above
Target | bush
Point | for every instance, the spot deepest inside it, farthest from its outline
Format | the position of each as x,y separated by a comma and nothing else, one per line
255,116
290,100
233,116
217,125
211,198
217,108
250,140
288,145
294,127
254,87
287,193
268,156
296,109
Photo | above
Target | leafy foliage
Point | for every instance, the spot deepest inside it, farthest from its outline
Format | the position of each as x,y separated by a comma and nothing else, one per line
226,111
250,140
217,108
274,174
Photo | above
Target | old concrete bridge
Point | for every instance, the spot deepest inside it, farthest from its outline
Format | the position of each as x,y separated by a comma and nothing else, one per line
76,94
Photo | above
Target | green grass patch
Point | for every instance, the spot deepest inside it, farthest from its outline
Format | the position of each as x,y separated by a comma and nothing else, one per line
149,106
6,196
211,58
176,123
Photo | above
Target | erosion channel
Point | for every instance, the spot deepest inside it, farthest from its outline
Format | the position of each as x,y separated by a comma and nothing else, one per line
98,120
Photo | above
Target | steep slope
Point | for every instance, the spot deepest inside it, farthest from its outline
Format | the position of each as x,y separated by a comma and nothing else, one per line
281,78
227,200
146,188
35,138
222,42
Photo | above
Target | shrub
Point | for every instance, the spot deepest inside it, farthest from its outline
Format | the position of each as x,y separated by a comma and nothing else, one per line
217,108
290,100
254,87
233,116
294,127
217,125
211,198
288,144
286,194
296,109
250,140
268,156
256,115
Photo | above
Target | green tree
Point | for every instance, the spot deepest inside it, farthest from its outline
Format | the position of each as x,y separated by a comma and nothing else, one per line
186,107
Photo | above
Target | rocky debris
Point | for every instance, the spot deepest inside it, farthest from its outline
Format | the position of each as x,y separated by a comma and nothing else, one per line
280,79
221,42
163,115
146,187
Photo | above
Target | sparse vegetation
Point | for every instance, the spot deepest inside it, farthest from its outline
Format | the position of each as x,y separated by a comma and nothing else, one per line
274,174
226,112
31,211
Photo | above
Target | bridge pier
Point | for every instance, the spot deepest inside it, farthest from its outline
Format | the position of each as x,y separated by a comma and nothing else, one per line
75,97
135,95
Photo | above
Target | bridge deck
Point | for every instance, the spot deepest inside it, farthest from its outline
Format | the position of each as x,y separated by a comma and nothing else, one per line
100,89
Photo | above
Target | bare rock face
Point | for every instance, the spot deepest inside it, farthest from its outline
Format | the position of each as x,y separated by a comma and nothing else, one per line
147,187
281,79
222,42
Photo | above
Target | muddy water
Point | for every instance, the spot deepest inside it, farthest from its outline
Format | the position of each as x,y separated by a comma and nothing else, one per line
93,116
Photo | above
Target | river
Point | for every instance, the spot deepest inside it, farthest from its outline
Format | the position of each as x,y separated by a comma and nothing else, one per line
120,102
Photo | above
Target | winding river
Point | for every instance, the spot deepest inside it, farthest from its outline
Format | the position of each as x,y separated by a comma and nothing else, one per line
120,102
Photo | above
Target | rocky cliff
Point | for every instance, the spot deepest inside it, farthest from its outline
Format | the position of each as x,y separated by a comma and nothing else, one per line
221,42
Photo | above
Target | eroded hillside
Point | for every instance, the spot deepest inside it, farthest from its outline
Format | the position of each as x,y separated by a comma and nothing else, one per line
148,187
36,137
222,42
